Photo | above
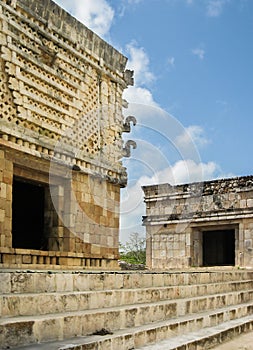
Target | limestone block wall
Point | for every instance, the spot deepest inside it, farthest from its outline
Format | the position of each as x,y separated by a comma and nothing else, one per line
177,216
61,85
61,126
96,218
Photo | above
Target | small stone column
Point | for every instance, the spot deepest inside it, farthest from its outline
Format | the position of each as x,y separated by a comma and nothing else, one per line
6,179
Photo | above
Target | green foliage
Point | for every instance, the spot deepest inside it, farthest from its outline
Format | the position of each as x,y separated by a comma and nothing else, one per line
134,251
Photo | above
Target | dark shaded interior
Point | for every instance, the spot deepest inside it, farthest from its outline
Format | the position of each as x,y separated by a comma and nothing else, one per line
219,248
28,215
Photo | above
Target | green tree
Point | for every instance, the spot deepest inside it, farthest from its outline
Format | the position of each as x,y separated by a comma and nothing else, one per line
134,251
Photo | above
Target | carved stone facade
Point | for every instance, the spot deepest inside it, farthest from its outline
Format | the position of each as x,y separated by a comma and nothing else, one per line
61,142
200,224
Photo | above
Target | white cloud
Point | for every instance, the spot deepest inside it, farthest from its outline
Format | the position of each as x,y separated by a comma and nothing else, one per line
215,7
95,14
183,171
192,134
139,95
199,52
171,61
139,62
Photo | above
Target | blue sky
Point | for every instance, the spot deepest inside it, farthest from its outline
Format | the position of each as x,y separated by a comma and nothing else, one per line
193,93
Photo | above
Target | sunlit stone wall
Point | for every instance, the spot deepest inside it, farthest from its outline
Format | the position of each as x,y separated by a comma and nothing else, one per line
61,126
200,224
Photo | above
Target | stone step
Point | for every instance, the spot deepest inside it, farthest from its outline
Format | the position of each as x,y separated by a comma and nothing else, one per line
32,329
230,320
13,281
12,305
206,338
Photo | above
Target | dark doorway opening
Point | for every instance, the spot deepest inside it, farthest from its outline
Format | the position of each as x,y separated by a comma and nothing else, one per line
27,215
219,247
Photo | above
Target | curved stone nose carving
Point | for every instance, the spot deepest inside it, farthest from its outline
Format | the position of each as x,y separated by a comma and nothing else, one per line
127,148
127,124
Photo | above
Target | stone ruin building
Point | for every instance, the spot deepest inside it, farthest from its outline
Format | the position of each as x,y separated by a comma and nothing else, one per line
200,224
61,144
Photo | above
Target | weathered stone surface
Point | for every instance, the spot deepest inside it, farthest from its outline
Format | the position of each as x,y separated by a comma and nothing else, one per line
178,218
61,125
134,316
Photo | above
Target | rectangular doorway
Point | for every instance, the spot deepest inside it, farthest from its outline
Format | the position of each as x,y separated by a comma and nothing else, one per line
27,215
218,247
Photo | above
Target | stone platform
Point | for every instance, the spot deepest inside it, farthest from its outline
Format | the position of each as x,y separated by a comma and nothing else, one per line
111,310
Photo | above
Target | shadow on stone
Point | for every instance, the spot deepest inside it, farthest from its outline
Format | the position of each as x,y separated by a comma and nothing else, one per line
102,331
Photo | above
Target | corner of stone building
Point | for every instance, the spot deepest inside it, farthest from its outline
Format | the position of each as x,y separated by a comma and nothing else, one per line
60,139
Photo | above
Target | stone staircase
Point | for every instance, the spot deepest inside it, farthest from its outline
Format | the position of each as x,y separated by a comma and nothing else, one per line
123,310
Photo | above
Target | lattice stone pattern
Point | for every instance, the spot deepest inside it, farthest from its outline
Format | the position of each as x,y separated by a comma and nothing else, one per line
61,92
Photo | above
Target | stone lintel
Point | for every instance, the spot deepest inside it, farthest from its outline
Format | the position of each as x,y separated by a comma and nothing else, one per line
62,165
